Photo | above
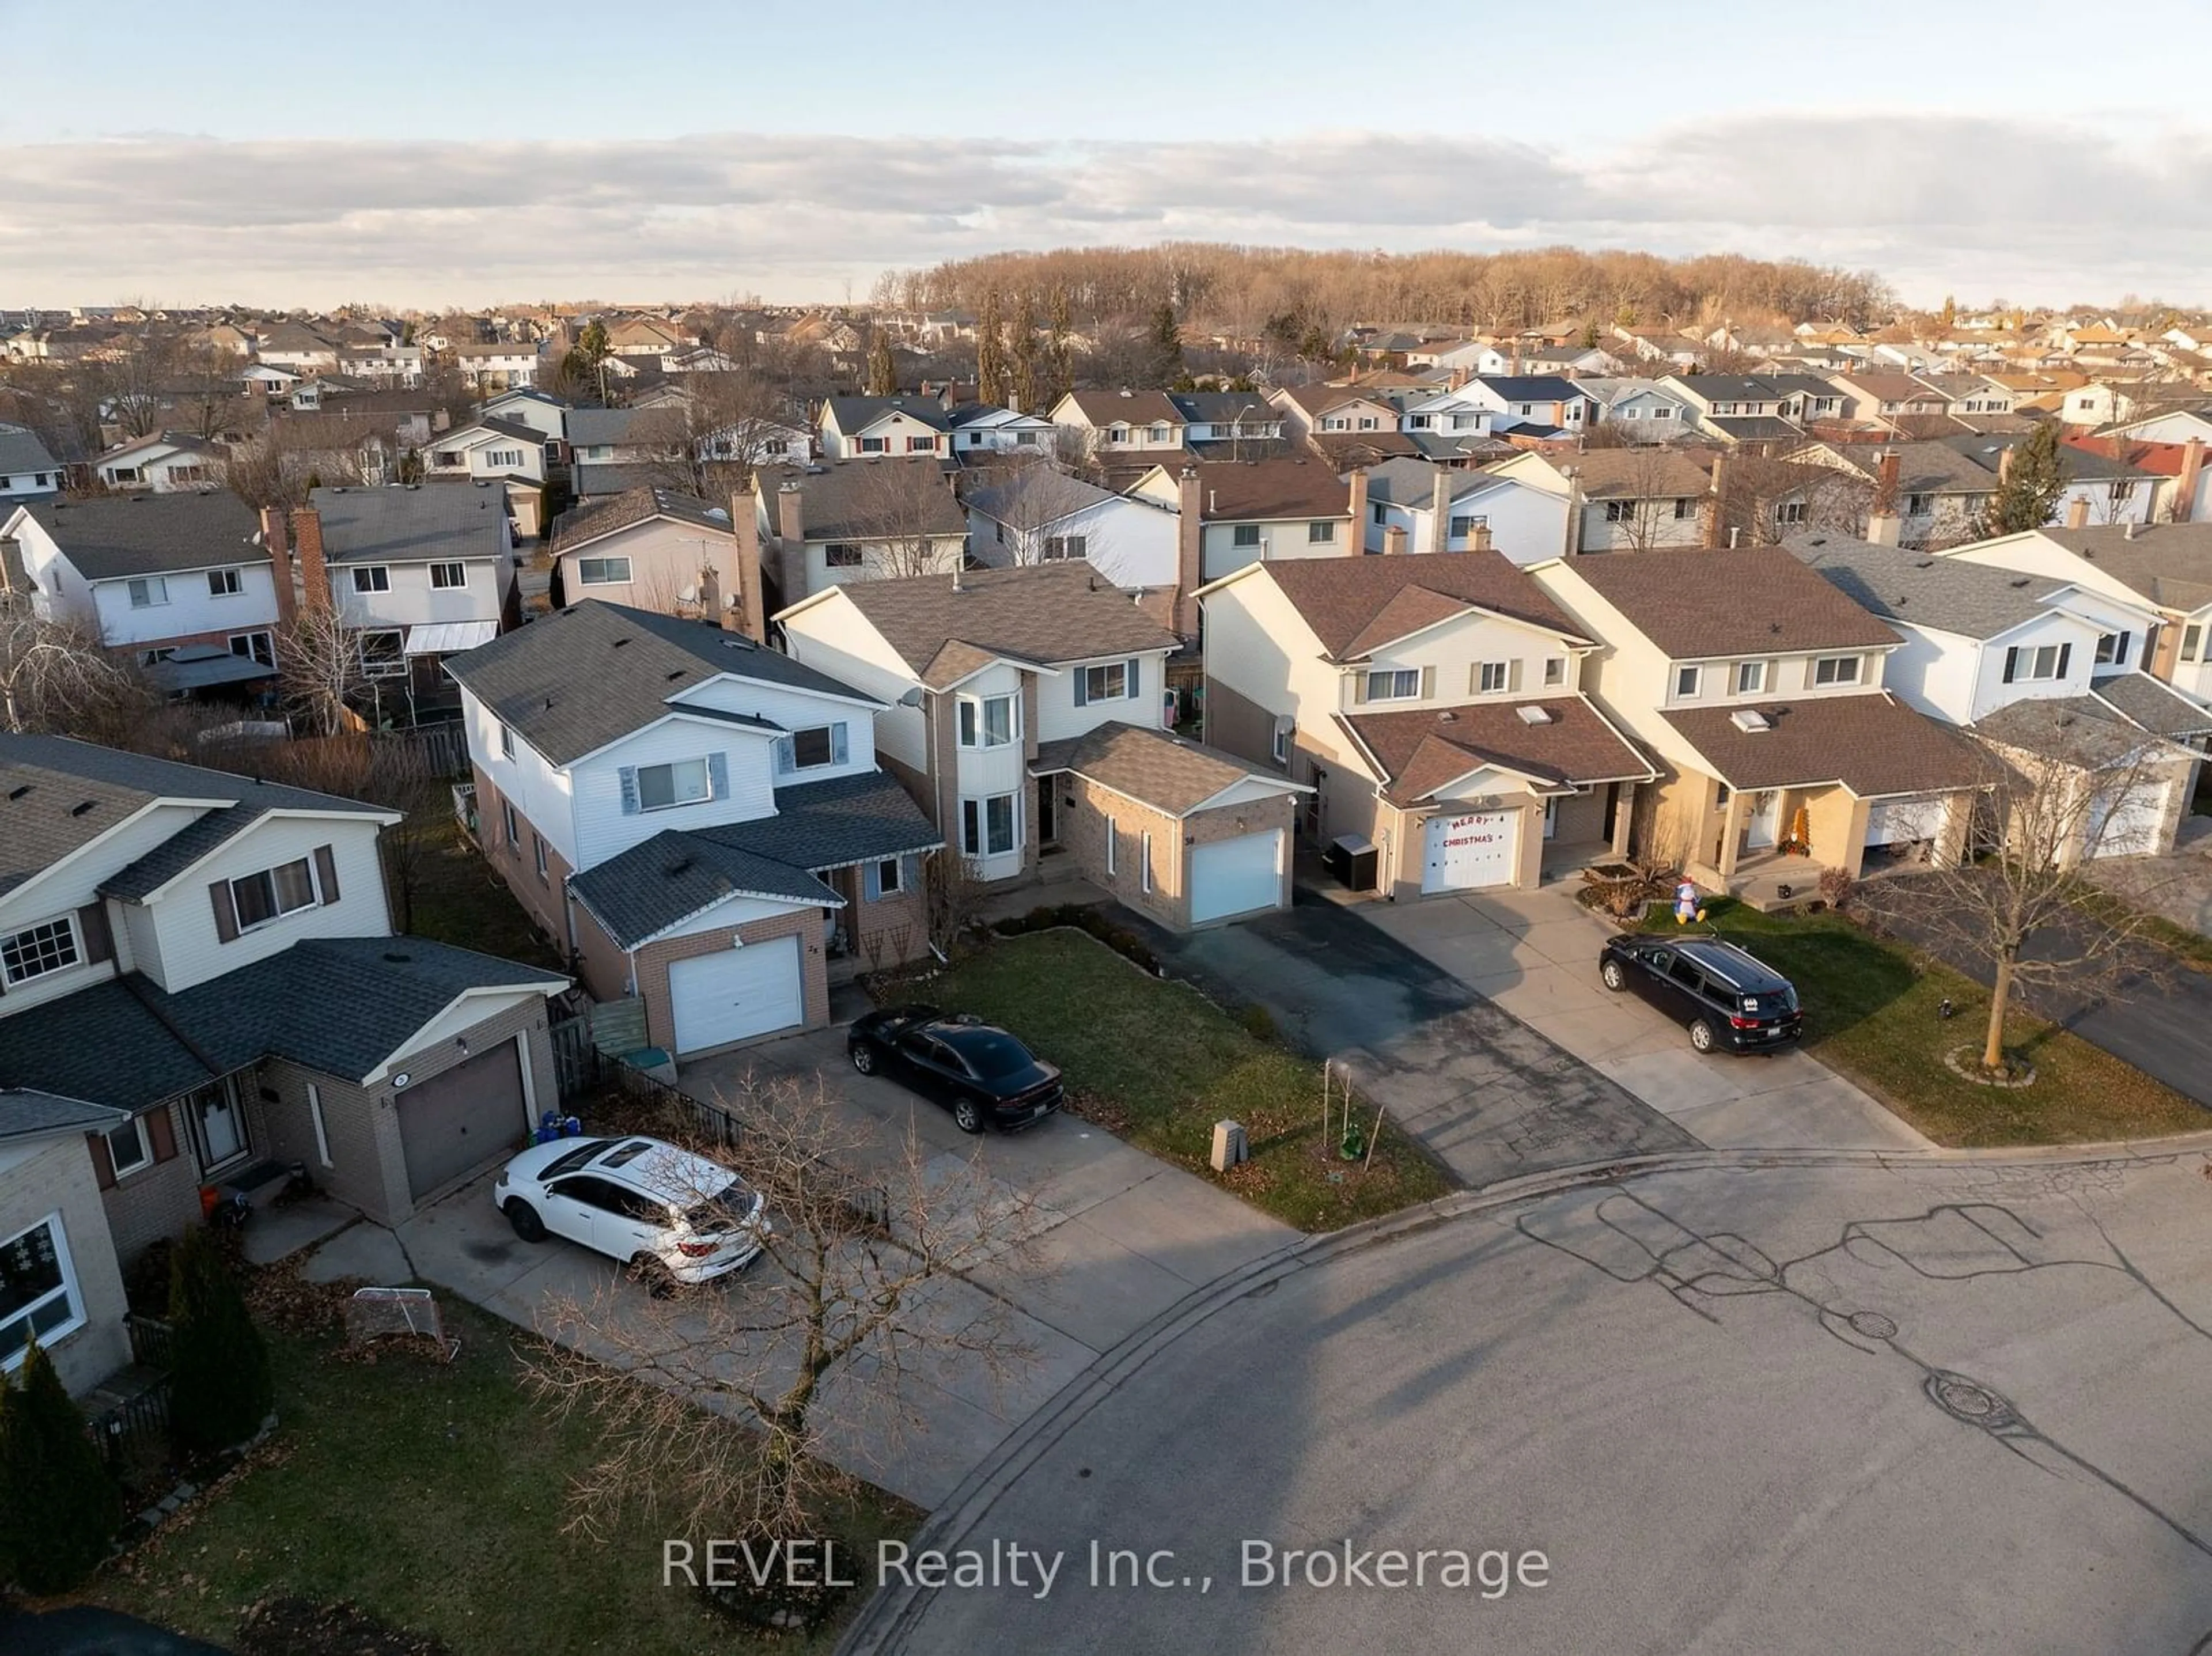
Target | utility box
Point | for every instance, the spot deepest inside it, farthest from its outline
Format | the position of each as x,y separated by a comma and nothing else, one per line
1229,1147
1351,859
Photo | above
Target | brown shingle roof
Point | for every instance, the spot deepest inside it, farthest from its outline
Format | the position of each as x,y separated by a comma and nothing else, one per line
1135,408
1421,752
1694,603
602,517
1639,474
1042,613
1872,744
1343,599
869,499
1233,491
1154,766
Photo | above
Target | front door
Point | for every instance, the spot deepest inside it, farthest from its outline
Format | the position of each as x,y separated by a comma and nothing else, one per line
1763,821
218,1122
1048,810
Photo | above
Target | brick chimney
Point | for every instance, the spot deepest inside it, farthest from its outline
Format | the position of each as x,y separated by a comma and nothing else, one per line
1717,504
1885,483
751,618
2005,465
1440,500
1478,539
1578,509
314,573
2077,512
1190,541
2184,486
276,542
1359,511
1394,541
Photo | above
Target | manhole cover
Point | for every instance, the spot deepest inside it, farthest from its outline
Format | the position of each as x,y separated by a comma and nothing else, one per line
1872,1324
1963,1399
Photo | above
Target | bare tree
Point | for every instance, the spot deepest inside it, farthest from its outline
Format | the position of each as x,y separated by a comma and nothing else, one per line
320,672
1030,501
708,443
56,679
854,1277
906,517
1765,499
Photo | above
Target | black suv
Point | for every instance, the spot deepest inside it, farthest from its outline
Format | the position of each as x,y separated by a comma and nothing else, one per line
1731,1000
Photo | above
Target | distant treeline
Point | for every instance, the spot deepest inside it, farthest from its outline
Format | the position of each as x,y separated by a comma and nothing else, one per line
1249,289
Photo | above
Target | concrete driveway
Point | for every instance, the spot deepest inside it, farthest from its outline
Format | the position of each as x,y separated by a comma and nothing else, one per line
1533,954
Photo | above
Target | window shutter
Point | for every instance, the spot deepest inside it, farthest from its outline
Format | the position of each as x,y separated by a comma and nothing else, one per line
910,872
1475,678
2012,664
326,873
786,756
1513,674
103,1164
871,882
98,941
1136,678
162,1134
226,911
1428,683
1082,687
2120,650
629,774
718,775
2065,655
840,751
1359,689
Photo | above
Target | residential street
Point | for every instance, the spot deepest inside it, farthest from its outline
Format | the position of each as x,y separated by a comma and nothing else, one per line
1825,1408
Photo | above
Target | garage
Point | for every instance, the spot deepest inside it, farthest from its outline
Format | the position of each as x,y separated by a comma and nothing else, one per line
1236,877
460,1119
736,994
1905,820
2127,826
1468,852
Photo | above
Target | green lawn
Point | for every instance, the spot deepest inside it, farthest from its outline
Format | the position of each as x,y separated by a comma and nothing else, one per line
431,1496
1159,1064
1871,1014
461,900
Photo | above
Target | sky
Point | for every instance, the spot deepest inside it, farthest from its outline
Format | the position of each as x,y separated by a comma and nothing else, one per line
306,155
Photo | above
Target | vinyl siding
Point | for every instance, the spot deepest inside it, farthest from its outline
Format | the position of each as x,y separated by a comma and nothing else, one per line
602,829
186,949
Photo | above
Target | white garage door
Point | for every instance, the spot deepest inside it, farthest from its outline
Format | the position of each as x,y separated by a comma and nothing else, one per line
1235,877
1899,821
1465,854
736,994
2129,830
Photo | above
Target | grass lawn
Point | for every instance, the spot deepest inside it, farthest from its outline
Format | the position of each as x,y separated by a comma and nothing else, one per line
431,1497
1870,1014
1159,1064
459,899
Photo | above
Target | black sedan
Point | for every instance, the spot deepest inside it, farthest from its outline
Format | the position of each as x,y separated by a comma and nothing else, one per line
1730,999
985,1076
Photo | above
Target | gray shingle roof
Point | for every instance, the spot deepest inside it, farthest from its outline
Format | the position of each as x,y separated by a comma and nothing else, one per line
676,875
1949,594
597,480
1041,613
852,413
610,517
893,498
25,1111
439,520
21,451
2154,705
123,535
833,824
588,428
45,779
1154,766
580,678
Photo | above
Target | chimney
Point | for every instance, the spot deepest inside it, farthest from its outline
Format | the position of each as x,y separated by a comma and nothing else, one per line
1884,528
1394,541
2184,486
2004,464
2077,512
1358,536
1717,503
1578,509
2128,532
791,514
277,543
1478,539
1885,485
1458,378
753,608
314,573
1190,537
1440,500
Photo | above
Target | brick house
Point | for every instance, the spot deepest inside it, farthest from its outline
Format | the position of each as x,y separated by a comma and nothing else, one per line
697,820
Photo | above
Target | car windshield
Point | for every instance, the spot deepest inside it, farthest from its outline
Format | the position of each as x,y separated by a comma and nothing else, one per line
993,1054
584,1151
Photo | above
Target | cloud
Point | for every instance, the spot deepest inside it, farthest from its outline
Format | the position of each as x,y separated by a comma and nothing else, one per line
1977,206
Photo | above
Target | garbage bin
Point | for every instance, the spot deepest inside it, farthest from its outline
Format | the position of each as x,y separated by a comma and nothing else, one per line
1350,858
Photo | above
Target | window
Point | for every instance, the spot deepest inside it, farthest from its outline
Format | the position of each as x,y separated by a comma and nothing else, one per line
1462,527
600,572
148,593
151,658
445,577
1919,506
1380,512
1555,669
889,874
1245,534
37,1290
127,1149
1144,861
1112,843
448,459
1750,677
683,782
1836,669
1620,511
1688,682
1664,411
1631,413
841,554
2043,661
987,826
384,654
537,852
273,894
1790,511
506,819
988,721
922,445
1106,683
125,474
2192,638
223,583
811,748
1117,434
36,951
1684,507
1282,742
506,740
259,646
1160,434
1066,546
1321,532
2112,649
1393,684
374,579
872,445
1492,676
1367,422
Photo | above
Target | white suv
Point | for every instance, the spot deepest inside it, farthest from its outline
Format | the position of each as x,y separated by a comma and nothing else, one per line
671,1217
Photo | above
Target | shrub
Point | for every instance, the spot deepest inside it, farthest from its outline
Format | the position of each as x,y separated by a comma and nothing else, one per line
1086,918
1835,887
1259,1023
60,1510
219,1384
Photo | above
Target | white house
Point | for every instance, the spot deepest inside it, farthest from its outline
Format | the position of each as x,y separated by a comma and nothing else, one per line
1036,513
27,472
1444,509
857,427
853,520
981,429
501,366
161,461
1615,500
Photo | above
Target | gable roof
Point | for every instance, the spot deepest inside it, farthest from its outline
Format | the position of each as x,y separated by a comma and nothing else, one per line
1925,467
574,681
1976,600
1637,474
868,499
587,427
2154,704
1231,491
2170,564
1531,387
1057,495
403,524
851,415
1345,600
1043,613
1695,604
118,537
20,451
1127,407
1154,766
1223,408
26,1113
1872,744
1420,752
585,524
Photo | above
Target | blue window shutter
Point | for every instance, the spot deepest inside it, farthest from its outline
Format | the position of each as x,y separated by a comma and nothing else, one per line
839,751
786,756
872,881
630,790
1082,687
1136,677
910,872
718,775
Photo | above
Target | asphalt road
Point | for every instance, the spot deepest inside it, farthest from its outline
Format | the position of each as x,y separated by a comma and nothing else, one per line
1831,1409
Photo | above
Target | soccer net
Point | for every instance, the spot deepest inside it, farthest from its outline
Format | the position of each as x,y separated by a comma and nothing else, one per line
375,1314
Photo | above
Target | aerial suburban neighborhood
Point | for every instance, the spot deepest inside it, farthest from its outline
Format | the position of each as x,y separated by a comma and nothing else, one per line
1107,869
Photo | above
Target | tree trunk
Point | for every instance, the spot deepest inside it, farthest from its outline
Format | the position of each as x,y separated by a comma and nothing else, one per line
2000,995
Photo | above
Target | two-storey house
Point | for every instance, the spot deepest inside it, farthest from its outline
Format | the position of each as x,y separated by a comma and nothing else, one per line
1616,499
1736,409
984,432
696,819
185,584
1536,402
1432,704
1232,513
1121,428
654,549
27,472
819,526
1760,687
209,961
1036,513
505,365
854,427
1026,710
1417,506
1311,411
163,462
1227,425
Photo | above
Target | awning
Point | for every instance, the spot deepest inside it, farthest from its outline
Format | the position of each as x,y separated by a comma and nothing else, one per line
448,638
196,666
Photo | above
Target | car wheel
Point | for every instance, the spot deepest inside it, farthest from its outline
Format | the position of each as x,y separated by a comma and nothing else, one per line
524,1218
651,1273
1701,1035
864,1059
966,1117
1613,977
